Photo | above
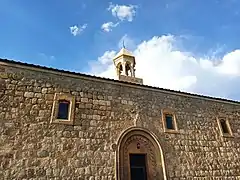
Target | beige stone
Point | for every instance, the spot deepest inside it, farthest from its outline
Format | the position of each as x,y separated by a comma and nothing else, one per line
29,94
108,121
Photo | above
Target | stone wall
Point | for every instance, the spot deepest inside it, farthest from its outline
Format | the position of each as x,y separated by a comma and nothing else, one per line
31,147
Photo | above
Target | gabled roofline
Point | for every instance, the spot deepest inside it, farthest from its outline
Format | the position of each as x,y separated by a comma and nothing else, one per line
34,67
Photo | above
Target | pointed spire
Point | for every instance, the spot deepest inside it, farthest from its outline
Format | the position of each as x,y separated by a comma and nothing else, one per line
123,44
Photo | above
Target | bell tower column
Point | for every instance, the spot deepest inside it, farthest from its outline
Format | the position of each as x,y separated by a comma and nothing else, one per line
124,68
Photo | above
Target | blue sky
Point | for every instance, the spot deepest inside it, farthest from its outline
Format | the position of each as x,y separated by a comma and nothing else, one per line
39,31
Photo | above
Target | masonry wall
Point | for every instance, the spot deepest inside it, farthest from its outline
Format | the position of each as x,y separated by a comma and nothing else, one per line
31,147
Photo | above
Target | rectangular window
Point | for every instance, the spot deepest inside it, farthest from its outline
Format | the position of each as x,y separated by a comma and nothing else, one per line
224,126
169,121
63,109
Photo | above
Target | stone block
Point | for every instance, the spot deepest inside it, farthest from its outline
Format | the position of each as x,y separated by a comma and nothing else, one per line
29,94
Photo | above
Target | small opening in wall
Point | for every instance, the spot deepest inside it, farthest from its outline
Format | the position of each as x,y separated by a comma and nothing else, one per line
120,69
128,70
63,109
169,121
224,126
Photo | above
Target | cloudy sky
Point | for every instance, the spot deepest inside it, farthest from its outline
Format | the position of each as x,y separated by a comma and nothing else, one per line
185,45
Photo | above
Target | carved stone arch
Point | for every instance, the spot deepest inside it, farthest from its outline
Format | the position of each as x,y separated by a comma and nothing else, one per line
119,68
128,69
137,140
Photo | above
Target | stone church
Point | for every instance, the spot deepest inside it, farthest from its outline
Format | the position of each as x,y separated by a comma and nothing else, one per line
56,124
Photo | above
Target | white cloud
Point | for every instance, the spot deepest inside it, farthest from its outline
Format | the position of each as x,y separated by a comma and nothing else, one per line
107,27
123,12
107,57
104,65
76,30
161,63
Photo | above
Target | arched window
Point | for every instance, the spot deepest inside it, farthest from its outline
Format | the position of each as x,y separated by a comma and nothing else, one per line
63,109
120,69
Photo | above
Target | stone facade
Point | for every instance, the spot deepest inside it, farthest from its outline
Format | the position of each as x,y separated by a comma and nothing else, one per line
108,118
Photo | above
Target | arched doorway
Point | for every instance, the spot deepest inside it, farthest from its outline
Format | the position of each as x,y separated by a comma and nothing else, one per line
139,156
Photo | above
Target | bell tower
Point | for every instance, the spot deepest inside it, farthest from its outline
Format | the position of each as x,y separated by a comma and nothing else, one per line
125,63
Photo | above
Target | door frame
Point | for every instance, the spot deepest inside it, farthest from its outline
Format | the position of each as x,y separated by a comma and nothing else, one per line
137,131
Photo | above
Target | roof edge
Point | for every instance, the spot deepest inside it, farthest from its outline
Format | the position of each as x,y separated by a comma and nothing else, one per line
123,52
169,91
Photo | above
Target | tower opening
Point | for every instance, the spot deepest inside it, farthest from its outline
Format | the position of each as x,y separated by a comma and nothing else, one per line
128,70
120,69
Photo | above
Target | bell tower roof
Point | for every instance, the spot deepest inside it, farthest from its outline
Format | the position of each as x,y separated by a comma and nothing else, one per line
123,52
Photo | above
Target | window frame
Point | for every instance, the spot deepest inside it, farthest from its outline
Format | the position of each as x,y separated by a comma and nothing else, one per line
229,134
166,112
55,110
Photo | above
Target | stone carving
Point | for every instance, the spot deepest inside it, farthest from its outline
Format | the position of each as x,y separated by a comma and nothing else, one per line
137,117
139,144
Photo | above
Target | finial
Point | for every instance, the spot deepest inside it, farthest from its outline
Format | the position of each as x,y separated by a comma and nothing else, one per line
123,44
